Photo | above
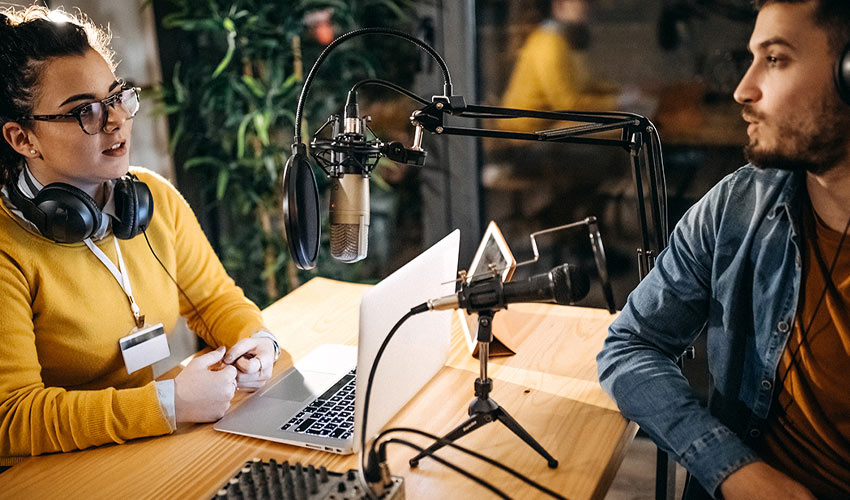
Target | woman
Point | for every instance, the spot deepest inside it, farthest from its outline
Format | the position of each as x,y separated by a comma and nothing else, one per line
83,287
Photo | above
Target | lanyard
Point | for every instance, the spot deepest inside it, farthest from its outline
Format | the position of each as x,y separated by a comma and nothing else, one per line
120,274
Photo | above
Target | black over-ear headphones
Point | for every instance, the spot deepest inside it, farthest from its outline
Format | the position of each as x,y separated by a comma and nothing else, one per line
842,74
66,214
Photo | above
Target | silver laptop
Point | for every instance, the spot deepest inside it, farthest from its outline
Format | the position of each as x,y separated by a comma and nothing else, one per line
319,402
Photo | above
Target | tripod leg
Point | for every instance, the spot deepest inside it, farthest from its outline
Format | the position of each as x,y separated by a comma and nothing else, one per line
517,429
467,426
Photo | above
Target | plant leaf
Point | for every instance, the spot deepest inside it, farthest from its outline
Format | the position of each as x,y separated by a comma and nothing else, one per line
254,86
221,185
241,133
231,48
204,160
176,134
179,90
261,125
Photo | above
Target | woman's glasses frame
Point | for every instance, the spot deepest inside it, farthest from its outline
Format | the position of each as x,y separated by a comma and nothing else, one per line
125,95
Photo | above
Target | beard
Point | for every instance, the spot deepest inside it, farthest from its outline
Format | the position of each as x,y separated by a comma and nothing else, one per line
817,145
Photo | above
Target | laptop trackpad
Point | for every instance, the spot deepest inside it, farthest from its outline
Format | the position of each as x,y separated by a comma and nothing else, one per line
301,385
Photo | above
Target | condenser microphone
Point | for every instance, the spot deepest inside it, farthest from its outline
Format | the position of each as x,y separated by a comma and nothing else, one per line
564,285
349,198
349,217
348,158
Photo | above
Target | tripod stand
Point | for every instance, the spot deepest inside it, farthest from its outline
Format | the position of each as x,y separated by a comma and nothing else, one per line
483,409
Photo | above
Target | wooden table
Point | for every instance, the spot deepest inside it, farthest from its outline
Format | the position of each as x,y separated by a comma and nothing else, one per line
549,387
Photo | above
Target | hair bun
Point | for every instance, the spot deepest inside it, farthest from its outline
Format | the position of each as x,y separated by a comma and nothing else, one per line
7,43
5,22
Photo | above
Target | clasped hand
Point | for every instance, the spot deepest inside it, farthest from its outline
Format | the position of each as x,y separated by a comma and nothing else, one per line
203,390
254,359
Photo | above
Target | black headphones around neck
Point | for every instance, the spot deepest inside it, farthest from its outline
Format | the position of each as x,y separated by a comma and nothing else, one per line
842,74
67,214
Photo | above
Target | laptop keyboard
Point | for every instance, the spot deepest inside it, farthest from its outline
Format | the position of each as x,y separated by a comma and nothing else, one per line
329,415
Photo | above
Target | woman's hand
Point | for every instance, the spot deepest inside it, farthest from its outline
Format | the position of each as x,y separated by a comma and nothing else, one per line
254,359
202,394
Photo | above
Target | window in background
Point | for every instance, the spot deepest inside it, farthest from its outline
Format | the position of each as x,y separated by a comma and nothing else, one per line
595,56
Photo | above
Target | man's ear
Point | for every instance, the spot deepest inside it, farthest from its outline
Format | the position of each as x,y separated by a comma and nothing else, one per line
19,138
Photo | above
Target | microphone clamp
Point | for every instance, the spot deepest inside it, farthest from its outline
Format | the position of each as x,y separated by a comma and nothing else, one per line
481,294
396,152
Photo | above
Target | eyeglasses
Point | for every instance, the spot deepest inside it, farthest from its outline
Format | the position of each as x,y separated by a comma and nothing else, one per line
93,116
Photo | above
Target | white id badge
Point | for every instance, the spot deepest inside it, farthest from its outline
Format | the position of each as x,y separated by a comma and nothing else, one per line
144,347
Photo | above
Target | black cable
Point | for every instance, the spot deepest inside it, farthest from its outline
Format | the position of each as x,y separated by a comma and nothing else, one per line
447,79
412,312
392,86
827,279
363,466
454,467
609,114
155,256
658,161
484,115
475,454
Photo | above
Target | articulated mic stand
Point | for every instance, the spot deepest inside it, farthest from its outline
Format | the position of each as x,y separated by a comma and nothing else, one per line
483,409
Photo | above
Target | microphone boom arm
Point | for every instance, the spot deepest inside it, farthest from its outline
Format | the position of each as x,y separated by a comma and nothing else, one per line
638,136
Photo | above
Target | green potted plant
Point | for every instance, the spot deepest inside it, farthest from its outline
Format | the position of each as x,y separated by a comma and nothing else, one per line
231,105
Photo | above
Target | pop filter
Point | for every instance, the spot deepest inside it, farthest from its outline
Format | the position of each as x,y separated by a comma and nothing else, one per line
301,208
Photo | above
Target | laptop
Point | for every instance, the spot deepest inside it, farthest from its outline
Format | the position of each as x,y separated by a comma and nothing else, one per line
319,402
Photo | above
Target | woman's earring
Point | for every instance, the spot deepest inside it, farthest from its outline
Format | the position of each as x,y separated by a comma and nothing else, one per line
32,151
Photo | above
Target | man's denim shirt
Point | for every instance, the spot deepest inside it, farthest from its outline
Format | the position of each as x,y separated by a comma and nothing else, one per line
733,267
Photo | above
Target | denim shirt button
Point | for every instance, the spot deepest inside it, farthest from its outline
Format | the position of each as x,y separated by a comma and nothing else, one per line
782,326
766,384
754,433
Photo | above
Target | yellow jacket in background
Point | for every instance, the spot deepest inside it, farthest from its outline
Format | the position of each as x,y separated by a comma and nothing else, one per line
549,75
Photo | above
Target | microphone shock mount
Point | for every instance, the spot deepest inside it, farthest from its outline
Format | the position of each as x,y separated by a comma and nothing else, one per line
349,150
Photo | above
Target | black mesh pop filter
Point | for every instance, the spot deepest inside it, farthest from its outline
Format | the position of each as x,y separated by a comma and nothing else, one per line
301,208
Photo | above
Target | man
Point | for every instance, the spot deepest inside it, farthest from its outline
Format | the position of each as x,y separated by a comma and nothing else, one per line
762,262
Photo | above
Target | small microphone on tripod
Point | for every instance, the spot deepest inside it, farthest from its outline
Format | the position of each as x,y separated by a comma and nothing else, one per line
564,284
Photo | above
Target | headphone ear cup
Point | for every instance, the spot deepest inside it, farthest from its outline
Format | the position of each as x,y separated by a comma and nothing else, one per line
133,207
842,75
144,204
70,214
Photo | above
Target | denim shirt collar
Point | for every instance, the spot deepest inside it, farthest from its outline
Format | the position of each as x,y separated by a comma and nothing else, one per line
790,201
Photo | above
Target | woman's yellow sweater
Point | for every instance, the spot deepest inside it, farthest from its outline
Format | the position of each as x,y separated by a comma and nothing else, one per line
63,384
